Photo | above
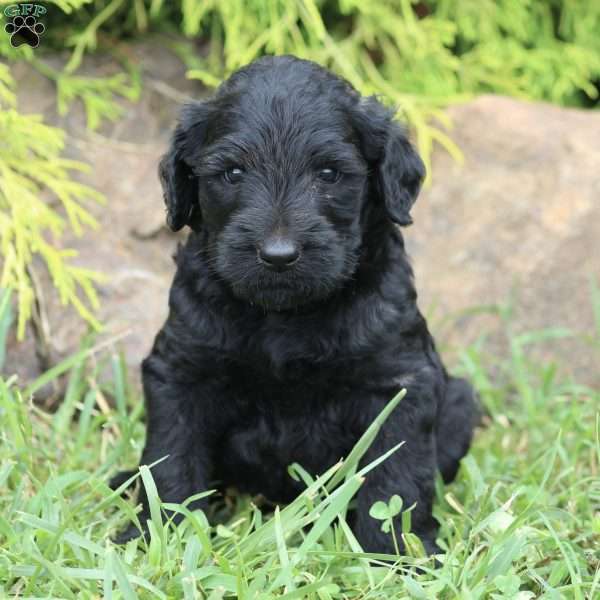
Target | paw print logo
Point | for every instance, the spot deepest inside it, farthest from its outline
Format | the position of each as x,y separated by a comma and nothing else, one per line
24,30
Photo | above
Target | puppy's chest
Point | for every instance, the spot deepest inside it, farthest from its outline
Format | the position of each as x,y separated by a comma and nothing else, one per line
277,424
308,413
266,437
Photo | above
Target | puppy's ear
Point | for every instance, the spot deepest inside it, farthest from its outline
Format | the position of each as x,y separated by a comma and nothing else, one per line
179,184
401,173
399,169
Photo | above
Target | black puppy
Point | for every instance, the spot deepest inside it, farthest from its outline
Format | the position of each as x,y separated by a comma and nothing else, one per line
293,316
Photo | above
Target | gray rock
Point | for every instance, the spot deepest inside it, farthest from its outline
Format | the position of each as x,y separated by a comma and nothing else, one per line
520,219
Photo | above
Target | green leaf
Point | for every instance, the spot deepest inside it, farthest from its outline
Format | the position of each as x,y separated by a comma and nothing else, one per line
224,532
395,505
350,465
379,510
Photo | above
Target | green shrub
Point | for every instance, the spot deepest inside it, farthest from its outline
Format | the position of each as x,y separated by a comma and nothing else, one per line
31,168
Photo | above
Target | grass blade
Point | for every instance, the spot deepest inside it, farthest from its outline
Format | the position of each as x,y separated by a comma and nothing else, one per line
350,465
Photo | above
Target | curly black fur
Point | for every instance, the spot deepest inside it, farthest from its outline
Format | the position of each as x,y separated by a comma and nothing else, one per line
258,367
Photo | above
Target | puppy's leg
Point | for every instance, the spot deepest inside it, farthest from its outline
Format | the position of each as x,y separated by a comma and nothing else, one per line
457,417
178,430
409,472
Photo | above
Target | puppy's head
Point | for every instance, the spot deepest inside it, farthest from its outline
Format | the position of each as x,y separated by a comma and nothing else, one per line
283,170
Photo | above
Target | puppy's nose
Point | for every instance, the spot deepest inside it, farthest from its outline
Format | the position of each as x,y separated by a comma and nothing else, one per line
279,253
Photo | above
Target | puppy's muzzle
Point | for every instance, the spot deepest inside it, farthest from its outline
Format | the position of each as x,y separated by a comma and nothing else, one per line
278,253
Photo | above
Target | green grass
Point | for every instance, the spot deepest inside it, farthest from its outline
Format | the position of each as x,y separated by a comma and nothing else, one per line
521,521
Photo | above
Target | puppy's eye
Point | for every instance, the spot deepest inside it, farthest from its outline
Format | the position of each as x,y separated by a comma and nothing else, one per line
233,175
328,175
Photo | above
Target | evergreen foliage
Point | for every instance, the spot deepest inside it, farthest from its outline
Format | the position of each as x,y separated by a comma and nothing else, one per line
32,172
